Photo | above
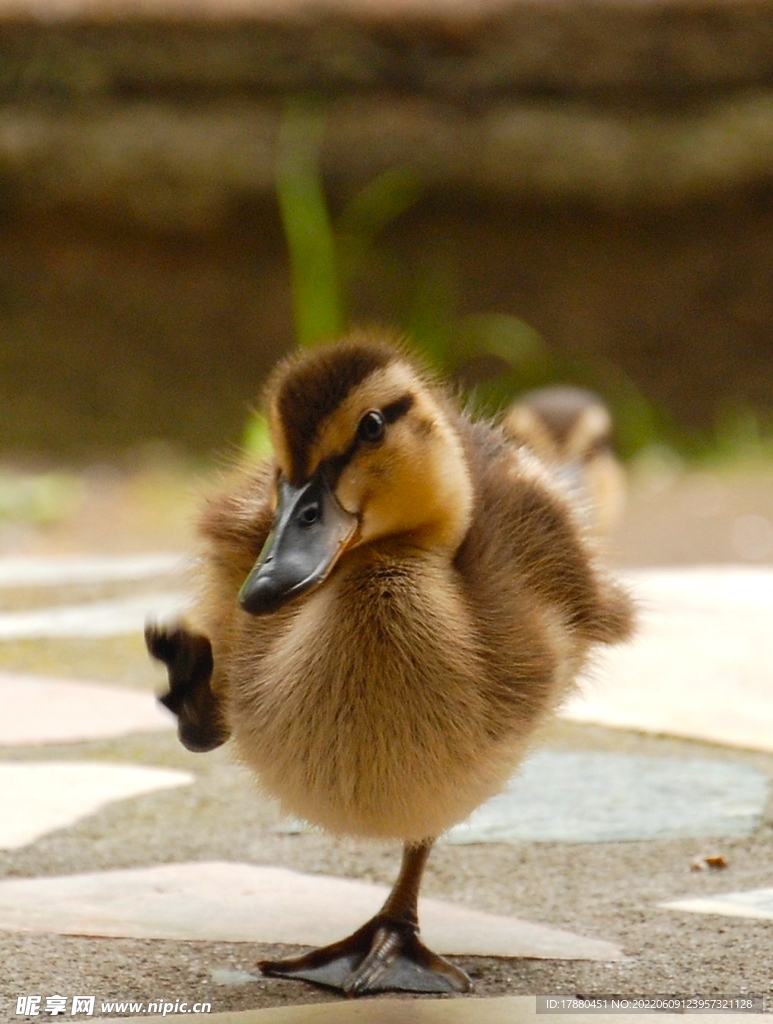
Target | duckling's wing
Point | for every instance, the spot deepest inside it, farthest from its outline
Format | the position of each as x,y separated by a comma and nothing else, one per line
529,542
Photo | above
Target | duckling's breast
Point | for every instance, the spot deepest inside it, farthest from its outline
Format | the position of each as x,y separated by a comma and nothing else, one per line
368,712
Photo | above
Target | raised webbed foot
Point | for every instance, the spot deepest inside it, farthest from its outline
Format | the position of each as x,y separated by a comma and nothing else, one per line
188,658
386,954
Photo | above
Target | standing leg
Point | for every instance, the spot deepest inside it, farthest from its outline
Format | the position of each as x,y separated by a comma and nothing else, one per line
386,953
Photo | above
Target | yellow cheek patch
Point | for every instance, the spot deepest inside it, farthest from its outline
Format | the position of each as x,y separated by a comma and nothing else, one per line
593,426
416,487
524,426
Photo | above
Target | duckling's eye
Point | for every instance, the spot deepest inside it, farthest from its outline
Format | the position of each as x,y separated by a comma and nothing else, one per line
372,427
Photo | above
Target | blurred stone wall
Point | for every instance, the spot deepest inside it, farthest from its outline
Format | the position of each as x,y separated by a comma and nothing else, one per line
603,169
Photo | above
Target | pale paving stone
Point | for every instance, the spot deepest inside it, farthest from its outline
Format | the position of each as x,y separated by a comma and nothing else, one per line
754,903
231,902
90,619
701,665
599,797
66,570
39,797
499,1010
45,710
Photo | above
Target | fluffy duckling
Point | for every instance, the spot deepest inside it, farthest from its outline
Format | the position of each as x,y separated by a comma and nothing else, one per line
570,429
385,613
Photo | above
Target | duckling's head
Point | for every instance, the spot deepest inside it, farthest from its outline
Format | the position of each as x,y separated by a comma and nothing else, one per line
366,453
561,423
571,430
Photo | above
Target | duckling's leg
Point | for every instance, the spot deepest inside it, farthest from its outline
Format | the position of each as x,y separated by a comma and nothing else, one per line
386,953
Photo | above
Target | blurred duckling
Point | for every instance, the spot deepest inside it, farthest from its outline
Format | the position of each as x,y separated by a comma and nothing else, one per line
570,429
385,613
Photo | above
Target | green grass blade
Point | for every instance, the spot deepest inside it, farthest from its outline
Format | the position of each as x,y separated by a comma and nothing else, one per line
317,305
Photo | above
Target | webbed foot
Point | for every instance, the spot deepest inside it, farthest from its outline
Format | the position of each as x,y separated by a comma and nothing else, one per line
188,658
386,954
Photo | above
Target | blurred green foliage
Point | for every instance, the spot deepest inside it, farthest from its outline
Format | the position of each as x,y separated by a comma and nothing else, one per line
491,356
40,499
740,434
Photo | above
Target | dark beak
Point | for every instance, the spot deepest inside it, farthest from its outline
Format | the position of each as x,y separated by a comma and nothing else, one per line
309,533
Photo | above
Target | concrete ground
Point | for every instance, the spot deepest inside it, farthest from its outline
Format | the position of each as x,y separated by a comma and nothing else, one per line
604,890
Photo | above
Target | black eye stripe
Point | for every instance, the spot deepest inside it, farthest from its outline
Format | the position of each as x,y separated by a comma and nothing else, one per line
395,410
336,464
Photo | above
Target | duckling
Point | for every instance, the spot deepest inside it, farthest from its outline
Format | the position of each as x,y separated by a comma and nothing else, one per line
570,429
385,613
